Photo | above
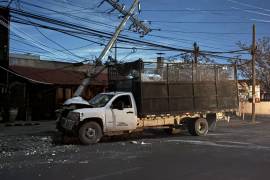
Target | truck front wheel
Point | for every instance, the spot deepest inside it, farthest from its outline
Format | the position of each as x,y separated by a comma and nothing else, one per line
198,127
90,133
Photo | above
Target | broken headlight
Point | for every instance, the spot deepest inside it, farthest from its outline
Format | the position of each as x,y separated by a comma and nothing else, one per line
73,116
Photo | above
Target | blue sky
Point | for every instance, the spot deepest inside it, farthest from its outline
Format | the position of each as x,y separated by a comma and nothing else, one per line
216,25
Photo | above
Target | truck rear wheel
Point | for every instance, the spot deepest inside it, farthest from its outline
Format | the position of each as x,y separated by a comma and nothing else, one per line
90,133
198,127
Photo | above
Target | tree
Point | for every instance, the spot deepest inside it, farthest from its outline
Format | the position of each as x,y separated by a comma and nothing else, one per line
202,59
262,63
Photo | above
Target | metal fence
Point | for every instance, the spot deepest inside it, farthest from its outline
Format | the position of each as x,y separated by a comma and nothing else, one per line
171,88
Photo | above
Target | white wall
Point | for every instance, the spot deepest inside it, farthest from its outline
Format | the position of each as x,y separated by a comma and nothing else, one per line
262,108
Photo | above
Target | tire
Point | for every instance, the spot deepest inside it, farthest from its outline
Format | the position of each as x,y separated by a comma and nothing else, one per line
90,133
198,127
168,131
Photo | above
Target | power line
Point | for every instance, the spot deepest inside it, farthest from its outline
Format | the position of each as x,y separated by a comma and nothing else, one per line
69,15
75,48
120,37
77,27
65,49
27,37
119,47
65,31
94,32
192,10
207,22
39,52
223,57
209,32
185,41
69,33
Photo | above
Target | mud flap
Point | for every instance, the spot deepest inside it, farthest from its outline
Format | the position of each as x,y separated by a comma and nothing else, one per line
212,121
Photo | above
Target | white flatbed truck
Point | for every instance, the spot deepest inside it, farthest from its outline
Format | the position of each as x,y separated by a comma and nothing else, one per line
176,97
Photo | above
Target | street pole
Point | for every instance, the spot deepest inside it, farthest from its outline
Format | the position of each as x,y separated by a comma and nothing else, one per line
196,52
109,45
253,53
137,24
194,72
115,51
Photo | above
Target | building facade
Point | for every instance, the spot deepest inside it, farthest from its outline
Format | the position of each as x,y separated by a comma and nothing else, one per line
36,88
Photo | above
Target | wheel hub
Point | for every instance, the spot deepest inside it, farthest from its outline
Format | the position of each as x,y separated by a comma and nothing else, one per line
201,126
90,133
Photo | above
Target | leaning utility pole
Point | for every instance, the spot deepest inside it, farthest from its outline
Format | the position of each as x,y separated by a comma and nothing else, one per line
115,51
253,53
137,25
127,14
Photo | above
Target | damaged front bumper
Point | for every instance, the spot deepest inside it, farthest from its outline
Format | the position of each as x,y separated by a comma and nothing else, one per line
68,123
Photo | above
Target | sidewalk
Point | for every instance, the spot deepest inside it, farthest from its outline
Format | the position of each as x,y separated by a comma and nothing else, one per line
39,139
18,128
236,121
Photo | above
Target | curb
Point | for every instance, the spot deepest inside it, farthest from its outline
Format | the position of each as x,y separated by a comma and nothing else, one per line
22,124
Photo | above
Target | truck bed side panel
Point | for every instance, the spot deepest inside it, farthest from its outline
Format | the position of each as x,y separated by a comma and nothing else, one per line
172,88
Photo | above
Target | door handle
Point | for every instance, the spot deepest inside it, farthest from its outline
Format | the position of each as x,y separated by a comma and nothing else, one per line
130,112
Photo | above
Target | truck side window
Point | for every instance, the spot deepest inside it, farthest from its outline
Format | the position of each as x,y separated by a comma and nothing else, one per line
125,99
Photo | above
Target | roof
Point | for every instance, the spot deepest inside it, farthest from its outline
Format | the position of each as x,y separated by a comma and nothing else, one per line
56,76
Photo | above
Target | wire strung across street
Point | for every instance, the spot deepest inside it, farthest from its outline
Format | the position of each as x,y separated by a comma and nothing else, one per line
96,32
80,31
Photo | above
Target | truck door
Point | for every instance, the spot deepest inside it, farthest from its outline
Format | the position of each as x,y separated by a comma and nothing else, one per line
122,114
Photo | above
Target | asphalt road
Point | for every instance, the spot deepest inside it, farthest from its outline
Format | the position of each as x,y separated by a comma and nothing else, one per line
238,150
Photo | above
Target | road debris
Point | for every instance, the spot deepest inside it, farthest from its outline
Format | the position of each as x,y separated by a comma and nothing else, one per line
134,142
143,143
83,162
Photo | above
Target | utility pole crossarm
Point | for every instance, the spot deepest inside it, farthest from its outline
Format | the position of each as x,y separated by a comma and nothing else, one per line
138,24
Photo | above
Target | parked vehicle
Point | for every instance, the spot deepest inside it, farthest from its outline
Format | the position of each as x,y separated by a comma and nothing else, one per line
150,95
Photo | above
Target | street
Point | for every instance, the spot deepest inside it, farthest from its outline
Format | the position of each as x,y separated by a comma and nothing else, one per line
236,150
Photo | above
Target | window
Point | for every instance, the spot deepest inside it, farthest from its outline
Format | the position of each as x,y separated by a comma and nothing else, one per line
68,93
125,99
100,100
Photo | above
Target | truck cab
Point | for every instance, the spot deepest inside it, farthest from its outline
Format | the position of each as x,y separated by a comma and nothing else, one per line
112,112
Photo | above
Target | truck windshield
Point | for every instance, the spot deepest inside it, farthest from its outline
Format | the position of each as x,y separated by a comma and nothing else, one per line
100,100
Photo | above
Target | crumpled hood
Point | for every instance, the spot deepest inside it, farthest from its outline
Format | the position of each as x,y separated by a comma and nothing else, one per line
76,100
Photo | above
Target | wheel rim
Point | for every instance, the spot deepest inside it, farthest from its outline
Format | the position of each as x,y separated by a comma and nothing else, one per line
202,127
90,133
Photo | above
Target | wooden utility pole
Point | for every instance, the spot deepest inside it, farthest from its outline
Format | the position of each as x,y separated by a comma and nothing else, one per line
115,51
127,14
253,53
194,72
196,52
137,25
